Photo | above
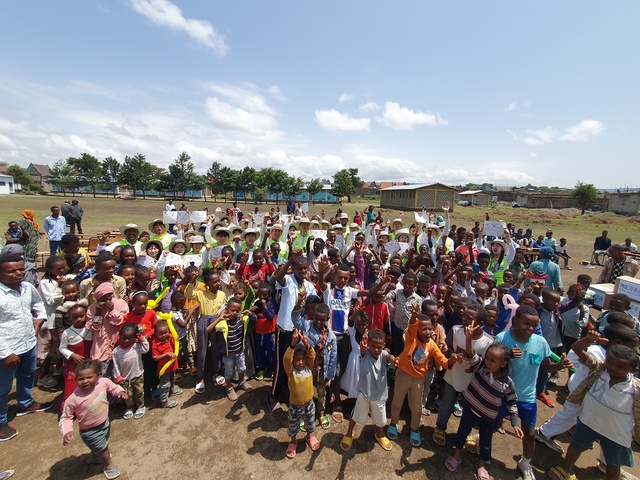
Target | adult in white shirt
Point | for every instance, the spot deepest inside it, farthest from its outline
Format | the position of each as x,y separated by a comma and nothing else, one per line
130,232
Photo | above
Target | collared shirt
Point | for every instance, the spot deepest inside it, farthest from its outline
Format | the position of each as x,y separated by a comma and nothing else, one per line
88,286
55,228
289,299
17,334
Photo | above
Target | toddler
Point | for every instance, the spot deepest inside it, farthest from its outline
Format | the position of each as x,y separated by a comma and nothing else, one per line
162,350
75,345
127,368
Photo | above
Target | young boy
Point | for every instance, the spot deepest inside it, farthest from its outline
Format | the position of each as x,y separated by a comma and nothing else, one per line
609,398
298,362
561,252
372,388
162,350
528,352
265,327
619,303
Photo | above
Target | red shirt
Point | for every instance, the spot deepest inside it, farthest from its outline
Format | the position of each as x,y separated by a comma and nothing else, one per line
378,314
160,348
148,320
253,272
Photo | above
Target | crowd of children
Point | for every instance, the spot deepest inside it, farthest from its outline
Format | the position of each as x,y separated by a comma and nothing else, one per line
332,313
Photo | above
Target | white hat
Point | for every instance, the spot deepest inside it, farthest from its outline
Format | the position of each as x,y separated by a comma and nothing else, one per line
344,215
384,232
399,220
130,226
338,225
249,231
197,239
500,241
354,225
157,220
175,242
403,231
221,230
277,226
234,228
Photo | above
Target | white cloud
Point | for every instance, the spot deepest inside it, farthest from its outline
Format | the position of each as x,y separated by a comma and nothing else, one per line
533,154
369,107
166,14
582,132
345,97
276,93
402,118
335,121
510,107
6,143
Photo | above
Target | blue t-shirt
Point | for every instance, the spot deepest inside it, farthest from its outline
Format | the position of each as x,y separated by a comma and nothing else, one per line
373,376
524,370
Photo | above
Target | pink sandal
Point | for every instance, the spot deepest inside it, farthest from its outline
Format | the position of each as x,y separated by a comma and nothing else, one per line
291,448
482,474
313,443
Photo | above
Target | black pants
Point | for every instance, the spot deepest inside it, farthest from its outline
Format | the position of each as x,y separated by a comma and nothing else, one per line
279,386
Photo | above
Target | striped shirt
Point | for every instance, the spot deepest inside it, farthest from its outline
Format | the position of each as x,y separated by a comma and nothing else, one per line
485,393
235,336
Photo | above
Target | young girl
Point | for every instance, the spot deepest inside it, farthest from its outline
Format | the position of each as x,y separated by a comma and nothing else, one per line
51,293
127,257
75,345
89,404
127,368
490,386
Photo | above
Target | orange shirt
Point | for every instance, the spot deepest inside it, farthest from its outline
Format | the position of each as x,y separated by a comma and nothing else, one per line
414,359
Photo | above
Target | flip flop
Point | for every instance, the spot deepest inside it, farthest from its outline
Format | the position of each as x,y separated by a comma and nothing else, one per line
128,415
291,448
170,404
392,432
313,443
112,473
200,387
140,413
384,442
275,408
452,464
414,439
220,380
439,437
345,443
325,422
338,417
471,444
482,474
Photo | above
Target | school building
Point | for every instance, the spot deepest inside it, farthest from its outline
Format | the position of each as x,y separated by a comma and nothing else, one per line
416,197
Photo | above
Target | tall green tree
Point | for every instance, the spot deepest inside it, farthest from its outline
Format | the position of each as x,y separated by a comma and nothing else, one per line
228,180
88,171
138,173
342,184
215,180
314,187
61,176
20,177
586,194
111,173
181,173
245,181
292,186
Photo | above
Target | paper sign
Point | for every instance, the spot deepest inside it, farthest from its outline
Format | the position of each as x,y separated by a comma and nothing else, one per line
494,229
305,207
403,247
199,216
258,218
169,217
351,237
421,217
173,259
189,259
392,247
318,234
216,252
183,217
146,261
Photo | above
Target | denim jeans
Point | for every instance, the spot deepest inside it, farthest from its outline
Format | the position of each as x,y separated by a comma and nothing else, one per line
448,399
485,428
24,382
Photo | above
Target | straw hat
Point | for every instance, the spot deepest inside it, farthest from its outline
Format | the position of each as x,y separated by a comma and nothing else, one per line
130,226
249,231
157,220
175,242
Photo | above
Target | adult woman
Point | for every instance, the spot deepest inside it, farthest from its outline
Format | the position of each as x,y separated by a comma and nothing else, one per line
30,225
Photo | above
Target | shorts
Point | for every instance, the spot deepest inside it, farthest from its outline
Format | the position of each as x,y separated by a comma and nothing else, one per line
527,412
364,406
231,362
96,438
614,453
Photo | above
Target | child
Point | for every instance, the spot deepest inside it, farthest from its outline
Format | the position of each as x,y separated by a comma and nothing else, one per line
619,303
323,341
457,377
404,299
181,319
372,389
489,387
233,326
528,352
139,315
264,308
412,367
298,362
127,368
609,407
574,320
75,345
162,350
358,325
89,404
70,294
489,327
561,252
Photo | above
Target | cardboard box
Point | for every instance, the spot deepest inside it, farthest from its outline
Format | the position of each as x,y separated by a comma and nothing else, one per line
600,291
634,311
629,286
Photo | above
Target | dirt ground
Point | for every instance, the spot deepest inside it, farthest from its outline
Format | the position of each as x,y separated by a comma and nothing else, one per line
208,436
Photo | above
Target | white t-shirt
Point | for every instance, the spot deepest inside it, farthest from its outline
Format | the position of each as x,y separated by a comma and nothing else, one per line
582,372
289,300
457,376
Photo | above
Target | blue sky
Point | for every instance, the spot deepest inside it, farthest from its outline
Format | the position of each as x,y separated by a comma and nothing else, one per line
470,91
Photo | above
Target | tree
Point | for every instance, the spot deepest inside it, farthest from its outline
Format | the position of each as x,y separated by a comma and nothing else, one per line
20,177
342,184
356,181
214,178
87,170
228,180
61,176
314,187
245,180
111,171
137,173
181,174
292,186
585,194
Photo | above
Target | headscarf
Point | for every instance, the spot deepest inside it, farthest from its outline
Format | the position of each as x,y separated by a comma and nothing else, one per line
29,216
103,289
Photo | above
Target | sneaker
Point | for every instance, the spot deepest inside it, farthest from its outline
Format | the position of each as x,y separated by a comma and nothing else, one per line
527,472
245,386
231,394
546,399
35,407
7,432
47,382
260,375
549,442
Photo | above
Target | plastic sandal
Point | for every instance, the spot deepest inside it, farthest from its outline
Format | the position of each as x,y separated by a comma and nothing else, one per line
170,404
177,391
6,474
338,417
128,414
313,443
291,449
482,474
345,443
457,410
200,387
303,429
325,422
220,380
140,413
414,439
439,437
452,464
471,444
384,442
110,474
392,432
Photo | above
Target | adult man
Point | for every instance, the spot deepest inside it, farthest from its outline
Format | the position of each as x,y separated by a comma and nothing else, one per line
617,264
170,207
546,265
65,211
19,235
76,216
18,329
600,246
55,226
291,206
629,246
130,232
